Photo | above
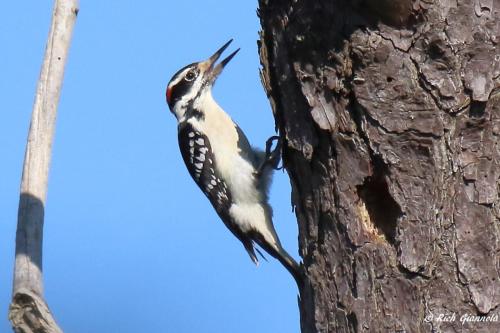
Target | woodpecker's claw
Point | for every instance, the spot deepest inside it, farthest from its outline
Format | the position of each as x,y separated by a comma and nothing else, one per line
272,157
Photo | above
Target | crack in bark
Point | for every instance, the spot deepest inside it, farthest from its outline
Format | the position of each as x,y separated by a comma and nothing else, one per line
424,84
381,35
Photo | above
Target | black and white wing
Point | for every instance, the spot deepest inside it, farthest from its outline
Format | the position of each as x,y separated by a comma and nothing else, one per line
198,157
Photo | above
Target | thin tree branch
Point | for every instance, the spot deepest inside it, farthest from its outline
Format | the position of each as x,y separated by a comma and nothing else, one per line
28,311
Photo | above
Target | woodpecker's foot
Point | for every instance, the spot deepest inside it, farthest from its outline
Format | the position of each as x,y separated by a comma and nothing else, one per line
272,157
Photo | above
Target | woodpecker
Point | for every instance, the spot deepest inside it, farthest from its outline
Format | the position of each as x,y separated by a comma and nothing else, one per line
233,175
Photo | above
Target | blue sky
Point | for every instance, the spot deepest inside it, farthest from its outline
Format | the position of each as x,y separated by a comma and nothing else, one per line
130,243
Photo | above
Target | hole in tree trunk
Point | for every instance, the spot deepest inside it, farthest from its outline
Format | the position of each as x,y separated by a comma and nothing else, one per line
383,210
477,109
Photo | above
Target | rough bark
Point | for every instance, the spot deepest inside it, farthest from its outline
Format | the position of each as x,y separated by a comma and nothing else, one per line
28,311
390,116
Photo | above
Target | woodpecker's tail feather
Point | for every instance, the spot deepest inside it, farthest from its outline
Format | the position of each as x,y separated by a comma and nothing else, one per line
249,246
260,253
251,251
290,264
277,251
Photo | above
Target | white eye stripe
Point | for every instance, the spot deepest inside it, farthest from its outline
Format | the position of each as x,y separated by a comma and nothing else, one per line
179,78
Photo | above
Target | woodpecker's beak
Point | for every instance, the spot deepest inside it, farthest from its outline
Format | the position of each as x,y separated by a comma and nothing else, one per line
211,70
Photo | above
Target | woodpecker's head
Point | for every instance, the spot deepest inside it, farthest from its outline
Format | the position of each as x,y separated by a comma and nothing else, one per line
194,80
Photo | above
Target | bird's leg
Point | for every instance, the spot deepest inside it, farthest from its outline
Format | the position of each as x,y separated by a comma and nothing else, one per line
272,157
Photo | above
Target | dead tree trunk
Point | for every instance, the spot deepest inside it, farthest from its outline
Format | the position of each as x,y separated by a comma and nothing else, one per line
28,311
390,116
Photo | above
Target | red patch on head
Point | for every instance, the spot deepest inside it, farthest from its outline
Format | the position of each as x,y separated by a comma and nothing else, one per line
169,94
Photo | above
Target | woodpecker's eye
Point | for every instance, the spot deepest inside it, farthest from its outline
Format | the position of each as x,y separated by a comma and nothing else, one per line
191,75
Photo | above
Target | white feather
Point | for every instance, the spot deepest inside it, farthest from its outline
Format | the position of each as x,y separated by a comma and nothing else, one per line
250,209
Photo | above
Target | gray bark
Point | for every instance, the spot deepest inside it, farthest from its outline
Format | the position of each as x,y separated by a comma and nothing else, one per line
390,116
28,311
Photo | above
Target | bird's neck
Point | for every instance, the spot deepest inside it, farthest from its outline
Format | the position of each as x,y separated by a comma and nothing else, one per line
202,107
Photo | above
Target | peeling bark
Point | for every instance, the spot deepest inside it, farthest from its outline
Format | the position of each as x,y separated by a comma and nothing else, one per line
390,116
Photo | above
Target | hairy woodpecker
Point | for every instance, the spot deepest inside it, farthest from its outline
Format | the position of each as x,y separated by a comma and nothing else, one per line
234,176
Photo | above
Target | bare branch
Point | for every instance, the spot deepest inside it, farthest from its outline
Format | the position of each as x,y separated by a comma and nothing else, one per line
28,311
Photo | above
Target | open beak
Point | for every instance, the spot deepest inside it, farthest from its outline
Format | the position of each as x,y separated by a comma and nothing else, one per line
211,70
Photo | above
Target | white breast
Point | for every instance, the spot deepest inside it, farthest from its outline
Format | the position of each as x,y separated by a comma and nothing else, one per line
250,210
237,172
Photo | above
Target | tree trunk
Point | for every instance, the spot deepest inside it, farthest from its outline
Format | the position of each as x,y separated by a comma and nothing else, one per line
28,311
390,116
